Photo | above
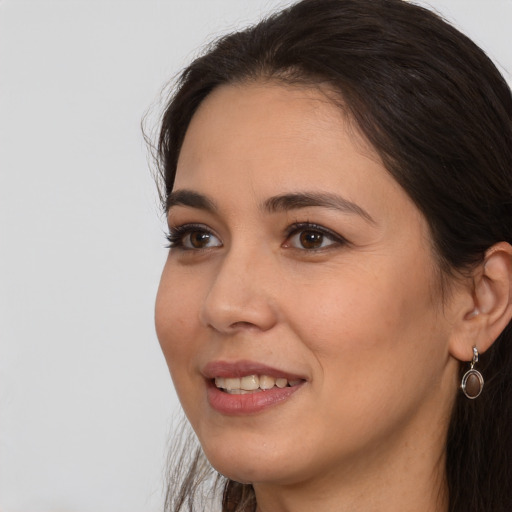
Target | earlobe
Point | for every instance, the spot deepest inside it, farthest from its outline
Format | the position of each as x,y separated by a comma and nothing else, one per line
492,304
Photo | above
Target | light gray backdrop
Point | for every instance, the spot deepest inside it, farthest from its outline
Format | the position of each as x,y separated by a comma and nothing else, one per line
85,398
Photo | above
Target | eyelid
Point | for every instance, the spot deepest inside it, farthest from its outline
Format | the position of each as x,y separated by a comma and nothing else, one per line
308,226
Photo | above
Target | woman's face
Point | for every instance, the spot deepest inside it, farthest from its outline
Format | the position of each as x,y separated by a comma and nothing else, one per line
298,261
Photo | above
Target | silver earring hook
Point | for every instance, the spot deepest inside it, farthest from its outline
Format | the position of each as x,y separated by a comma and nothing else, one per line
475,357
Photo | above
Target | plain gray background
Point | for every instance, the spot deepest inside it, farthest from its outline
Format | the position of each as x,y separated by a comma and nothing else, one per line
85,398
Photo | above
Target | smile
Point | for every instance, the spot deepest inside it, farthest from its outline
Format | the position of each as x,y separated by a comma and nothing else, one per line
238,388
253,384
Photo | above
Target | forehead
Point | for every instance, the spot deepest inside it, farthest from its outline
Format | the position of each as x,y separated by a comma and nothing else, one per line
271,127
268,113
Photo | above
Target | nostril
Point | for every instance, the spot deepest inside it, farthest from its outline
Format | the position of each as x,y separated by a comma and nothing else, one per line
243,325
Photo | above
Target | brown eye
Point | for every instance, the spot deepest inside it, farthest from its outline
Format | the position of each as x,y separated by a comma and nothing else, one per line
191,238
198,239
311,239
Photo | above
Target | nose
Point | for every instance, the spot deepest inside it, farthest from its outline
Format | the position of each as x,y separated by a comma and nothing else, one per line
241,294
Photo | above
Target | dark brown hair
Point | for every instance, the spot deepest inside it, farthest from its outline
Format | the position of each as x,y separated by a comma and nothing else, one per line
440,115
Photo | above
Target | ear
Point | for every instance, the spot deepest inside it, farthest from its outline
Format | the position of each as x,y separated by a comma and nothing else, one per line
486,308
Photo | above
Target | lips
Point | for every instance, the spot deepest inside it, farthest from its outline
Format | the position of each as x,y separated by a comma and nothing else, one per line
245,387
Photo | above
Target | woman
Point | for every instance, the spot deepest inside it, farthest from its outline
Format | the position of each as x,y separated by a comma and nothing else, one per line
335,309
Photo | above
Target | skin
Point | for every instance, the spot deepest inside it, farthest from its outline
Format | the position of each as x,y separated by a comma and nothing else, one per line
360,317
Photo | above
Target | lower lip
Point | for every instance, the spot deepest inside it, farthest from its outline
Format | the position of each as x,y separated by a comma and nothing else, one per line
251,403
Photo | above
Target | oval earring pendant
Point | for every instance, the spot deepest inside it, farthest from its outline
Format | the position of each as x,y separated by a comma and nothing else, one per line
472,381
472,384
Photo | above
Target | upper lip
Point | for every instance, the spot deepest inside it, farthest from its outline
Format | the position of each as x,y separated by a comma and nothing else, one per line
243,368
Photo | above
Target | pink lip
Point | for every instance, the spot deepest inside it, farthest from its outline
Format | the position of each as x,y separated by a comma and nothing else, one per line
252,403
243,368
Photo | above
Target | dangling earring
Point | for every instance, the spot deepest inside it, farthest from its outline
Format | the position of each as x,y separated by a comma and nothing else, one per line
472,381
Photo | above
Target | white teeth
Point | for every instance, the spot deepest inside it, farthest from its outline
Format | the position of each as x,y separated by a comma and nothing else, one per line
250,382
267,382
231,383
281,382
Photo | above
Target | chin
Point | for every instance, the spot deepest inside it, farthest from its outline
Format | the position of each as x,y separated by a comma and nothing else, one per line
255,462
246,472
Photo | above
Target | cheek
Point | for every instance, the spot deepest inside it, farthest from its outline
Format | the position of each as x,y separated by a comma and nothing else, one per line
366,324
375,349
176,320
176,327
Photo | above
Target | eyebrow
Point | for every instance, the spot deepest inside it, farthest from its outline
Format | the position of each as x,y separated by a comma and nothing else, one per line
280,203
191,199
296,201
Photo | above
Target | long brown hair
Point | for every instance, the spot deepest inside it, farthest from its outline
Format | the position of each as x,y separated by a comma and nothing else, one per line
440,115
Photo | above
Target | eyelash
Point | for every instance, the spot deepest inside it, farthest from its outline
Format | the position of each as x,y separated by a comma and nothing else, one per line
299,227
176,236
